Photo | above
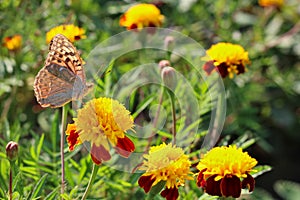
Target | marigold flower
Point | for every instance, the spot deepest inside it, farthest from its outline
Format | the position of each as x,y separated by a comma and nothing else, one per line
71,31
165,163
141,15
102,122
267,3
13,43
227,58
224,171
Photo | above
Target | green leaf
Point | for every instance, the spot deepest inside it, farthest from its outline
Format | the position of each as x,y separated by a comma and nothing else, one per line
261,169
37,188
156,189
208,197
287,189
54,130
40,144
143,105
164,134
260,193
53,194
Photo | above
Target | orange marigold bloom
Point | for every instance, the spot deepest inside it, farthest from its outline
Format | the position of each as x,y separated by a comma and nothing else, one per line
71,32
142,15
102,122
267,3
165,163
13,43
228,59
224,171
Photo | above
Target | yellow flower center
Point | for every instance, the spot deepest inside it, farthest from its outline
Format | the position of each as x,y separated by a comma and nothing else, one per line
222,161
167,163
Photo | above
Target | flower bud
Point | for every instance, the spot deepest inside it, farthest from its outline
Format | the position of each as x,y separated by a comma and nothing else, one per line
169,43
168,75
163,63
12,151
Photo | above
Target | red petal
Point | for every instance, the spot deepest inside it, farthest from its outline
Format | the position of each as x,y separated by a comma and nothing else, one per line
200,179
213,187
72,136
124,147
132,27
240,69
99,154
249,183
231,186
208,67
170,194
222,69
146,182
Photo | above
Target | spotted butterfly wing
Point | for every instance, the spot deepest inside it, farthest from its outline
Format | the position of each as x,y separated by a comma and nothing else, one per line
62,79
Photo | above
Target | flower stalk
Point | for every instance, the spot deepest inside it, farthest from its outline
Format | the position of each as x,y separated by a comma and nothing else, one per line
173,116
92,178
10,181
62,141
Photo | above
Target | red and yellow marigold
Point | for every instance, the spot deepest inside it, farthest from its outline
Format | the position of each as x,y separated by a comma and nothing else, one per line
102,122
140,16
167,164
226,58
224,171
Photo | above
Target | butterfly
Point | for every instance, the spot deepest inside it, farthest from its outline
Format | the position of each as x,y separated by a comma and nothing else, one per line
62,79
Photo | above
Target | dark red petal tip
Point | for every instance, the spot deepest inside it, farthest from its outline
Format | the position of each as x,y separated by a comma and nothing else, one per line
213,187
200,179
249,183
170,193
223,69
146,182
231,186
208,67
124,147
99,154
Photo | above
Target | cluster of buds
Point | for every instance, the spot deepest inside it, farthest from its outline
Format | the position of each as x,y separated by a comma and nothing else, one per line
168,74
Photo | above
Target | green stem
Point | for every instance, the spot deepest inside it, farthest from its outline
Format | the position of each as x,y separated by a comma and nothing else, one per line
62,142
173,116
10,182
89,187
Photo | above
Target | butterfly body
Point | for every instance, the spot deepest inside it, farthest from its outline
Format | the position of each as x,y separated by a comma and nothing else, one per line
62,79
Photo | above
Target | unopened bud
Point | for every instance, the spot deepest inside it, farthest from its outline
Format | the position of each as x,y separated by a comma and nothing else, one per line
169,43
12,151
168,75
163,63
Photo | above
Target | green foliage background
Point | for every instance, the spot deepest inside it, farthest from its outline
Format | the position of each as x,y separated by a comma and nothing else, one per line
263,103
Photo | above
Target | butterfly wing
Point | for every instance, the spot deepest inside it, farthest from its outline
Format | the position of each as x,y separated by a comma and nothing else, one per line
62,79
50,90
63,53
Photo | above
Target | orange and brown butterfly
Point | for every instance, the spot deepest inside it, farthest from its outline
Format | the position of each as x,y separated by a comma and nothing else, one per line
62,79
